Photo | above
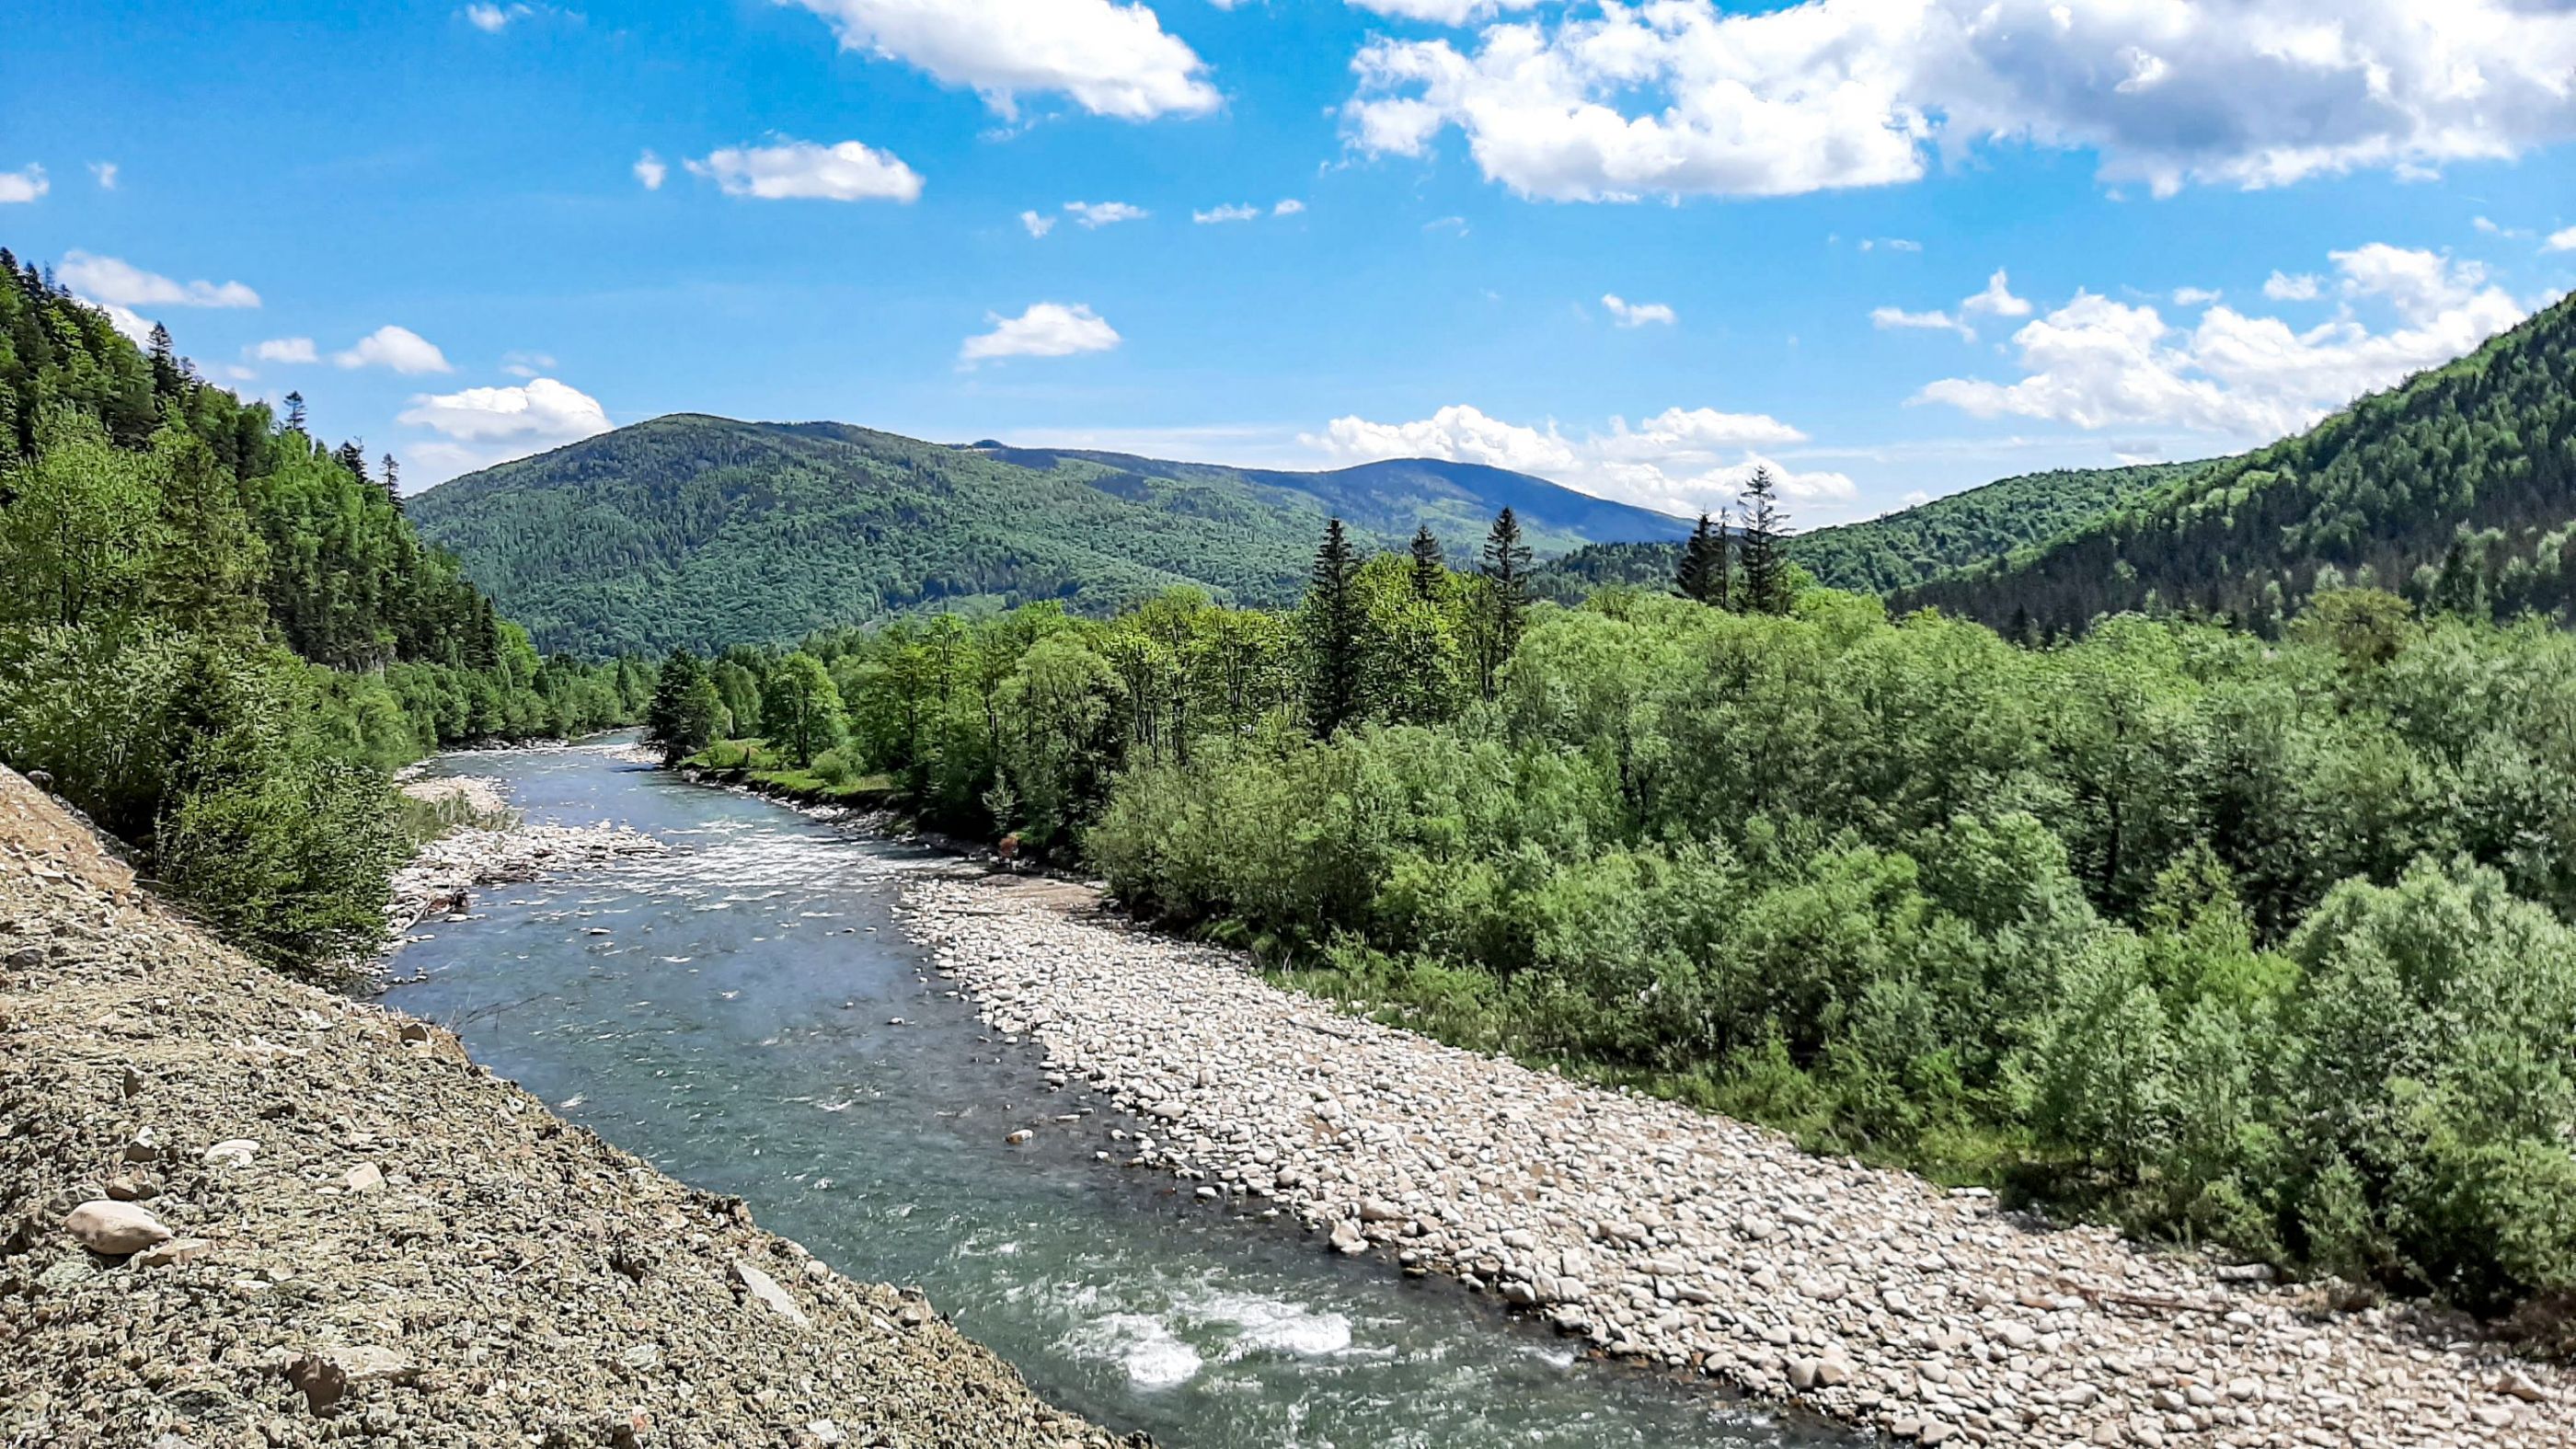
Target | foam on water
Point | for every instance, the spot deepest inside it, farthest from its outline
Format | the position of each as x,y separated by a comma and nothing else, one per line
1153,1356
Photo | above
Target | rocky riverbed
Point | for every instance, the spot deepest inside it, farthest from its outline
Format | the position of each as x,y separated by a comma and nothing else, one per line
442,877
1662,1234
238,1211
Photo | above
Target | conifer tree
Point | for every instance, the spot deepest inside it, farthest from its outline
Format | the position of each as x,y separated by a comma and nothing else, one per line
1766,578
1505,598
1430,566
1333,642
1706,573
392,479
295,412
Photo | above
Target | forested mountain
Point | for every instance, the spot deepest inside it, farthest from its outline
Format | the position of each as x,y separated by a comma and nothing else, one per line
699,530
2456,489
1901,548
1389,498
216,633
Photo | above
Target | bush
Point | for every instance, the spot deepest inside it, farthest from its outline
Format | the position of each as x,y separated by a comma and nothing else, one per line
291,866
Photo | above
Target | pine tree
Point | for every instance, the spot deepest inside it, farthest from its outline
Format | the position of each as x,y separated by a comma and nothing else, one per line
1333,633
1430,565
1505,599
295,412
392,479
1706,573
1766,578
352,455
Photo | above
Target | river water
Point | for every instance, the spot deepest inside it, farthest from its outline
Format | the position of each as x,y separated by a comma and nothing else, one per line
728,1012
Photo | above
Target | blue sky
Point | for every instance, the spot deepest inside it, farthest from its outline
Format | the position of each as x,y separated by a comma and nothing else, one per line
1794,207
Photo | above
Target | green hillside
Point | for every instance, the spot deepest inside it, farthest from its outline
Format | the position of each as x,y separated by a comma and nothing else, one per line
699,531
1903,548
2457,489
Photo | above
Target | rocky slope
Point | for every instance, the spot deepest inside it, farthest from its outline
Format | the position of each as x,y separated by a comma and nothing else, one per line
1665,1235
236,1211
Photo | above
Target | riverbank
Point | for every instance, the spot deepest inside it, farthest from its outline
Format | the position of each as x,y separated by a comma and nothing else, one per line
237,1210
1658,1233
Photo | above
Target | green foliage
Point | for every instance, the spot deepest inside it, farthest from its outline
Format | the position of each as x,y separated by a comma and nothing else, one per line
800,708
2456,490
218,637
1903,548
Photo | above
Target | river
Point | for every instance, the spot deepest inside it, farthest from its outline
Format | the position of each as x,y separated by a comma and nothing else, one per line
745,1013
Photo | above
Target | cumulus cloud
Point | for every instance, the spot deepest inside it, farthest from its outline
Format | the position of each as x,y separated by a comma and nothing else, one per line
1682,461
24,184
2559,241
1037,223
285,349
2194,296
1289,207
122,284
1997,299
481,426
1616,102
1887,319
1097,214
2099,363
1635,314
1046,329
397,348
2283,287
1111,59
650,170
791,170
493,19
1442,12
1231,211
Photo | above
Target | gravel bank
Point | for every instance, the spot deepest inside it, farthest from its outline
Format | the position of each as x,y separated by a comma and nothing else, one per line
441,879
236,1211
1660,1233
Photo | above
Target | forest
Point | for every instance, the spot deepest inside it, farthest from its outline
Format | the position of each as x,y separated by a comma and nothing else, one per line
218,635
2456,491
2256,943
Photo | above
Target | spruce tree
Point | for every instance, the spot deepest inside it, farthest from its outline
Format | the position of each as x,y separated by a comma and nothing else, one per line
677,719
1430,566
295,411
392,472
1766,579
1705,574
352,455
1506,598
1333,633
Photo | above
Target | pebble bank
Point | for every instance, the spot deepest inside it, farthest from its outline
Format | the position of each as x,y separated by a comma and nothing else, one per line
236,1211
1664,1235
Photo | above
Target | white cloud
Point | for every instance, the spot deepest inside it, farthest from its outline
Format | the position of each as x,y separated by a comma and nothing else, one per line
285,349
650,170
2561,241
1615,102
2283,287
527,364
1887,319
104,172
1289,207
119,283
1442,12
25,184
1681,461
1112,59
1094,215
1231,211
1892,243
135,326
398,348
1046,329
1997,299
493,19
2195,296
481,426
1635,314
2098,363
804,171
1038,224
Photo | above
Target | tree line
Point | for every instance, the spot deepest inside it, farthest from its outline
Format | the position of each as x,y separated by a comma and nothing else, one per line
218,634
2261,943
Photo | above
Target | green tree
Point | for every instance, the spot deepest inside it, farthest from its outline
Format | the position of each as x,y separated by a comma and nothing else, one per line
800,709
1504,599
685,708
82,524
1766,580
1333,621
1706,573
1430,565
